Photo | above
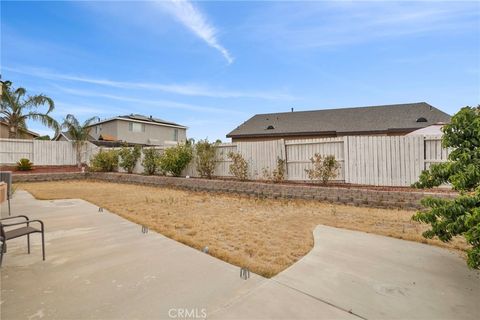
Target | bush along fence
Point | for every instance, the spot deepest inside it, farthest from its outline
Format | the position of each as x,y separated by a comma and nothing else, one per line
367,160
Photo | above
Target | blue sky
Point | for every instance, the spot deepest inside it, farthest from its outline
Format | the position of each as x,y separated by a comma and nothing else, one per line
212,65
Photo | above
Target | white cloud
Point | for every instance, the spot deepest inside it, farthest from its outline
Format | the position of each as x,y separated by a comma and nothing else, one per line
159,103
191,17
331,24
181,89
80,109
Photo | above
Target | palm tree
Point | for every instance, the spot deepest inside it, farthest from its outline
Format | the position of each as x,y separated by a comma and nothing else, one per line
78,133
16,108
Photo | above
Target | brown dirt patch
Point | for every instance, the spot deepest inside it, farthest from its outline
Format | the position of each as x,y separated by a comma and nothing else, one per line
265,235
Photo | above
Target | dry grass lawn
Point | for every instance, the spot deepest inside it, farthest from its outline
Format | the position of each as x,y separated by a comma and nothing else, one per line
263,234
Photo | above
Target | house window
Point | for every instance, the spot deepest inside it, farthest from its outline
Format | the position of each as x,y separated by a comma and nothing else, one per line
136,127
175,134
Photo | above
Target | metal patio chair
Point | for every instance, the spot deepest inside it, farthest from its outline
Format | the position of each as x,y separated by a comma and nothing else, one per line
6,176
23,229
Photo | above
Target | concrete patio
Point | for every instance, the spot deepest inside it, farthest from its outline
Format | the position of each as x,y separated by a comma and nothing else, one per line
100,266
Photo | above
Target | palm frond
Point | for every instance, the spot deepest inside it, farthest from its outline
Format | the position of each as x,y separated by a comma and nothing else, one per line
8,100
71,120
90,121
19,92
45,119
39,100
79,133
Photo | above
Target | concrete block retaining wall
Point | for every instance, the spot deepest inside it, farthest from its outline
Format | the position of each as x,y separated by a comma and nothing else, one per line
349,196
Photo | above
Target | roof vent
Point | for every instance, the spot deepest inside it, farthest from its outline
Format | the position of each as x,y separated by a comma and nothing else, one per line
270,127
421,119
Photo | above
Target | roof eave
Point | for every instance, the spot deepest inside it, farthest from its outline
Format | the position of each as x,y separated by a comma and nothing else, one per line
321,133
280,134
141,121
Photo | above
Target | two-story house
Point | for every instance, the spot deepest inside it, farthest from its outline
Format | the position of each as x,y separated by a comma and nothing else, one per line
138,129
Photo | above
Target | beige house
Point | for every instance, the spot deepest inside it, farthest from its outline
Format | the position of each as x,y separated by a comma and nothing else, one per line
138,129
23,134
389,120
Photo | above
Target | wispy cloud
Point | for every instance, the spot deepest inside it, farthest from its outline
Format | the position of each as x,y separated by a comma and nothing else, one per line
159,103
192,18
80,109
350,22
181,89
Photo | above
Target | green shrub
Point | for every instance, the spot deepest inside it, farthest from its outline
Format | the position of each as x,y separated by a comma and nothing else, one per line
175,159
449,218
151,160
324,168
129,158
24,164
105,161
206,158
239,167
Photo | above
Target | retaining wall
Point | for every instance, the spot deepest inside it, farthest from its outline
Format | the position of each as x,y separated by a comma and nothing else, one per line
349,196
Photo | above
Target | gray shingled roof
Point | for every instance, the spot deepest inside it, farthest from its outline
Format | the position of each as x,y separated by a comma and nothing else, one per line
139,117
149,119
397,117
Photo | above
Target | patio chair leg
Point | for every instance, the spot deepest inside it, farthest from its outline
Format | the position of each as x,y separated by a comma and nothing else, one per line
43,245
28,243
1,253
9,210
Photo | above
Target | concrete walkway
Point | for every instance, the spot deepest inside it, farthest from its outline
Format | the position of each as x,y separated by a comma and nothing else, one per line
373,277
100,266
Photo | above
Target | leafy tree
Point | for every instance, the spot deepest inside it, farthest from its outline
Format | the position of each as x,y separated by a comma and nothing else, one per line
459,216
206,158
16,108
129,157
79,133
175,159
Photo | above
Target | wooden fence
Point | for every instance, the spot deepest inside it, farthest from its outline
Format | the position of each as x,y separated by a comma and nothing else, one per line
43,153
371,160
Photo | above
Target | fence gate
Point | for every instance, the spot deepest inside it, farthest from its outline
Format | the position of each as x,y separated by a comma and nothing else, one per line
300,151
384,160
261,155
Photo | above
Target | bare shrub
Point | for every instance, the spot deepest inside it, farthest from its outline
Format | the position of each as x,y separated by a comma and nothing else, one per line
278,175
324,168
239,167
